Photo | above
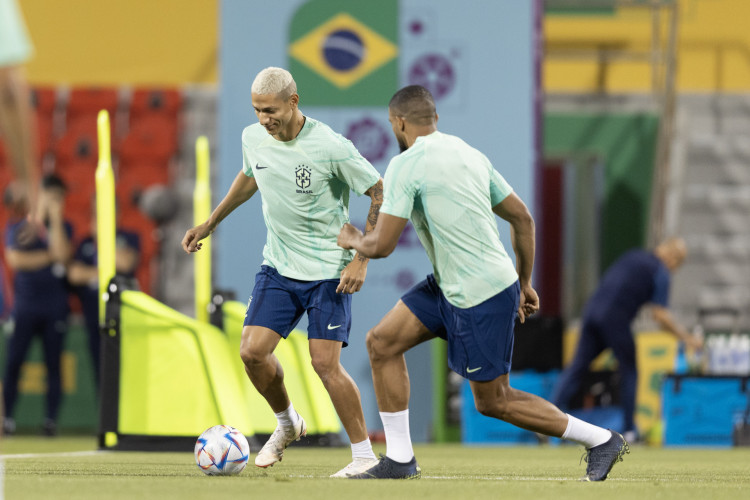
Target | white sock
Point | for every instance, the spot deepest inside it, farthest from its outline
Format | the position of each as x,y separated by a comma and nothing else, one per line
397,437
584,433
288,417
363,449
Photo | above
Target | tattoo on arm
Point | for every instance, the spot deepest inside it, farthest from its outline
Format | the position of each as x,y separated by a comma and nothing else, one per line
377,201
376,194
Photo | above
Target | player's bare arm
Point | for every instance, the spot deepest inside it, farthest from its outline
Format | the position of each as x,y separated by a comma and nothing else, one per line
662,316
513,210
33,260
354,274
380,242
241,190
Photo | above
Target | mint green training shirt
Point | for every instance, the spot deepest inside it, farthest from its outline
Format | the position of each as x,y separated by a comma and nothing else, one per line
448,189
304,185
15,47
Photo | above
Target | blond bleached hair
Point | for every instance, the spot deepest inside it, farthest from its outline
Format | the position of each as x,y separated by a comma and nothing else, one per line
274,80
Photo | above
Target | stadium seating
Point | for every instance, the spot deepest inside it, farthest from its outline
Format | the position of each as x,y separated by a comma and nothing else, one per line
145,143
87,102
150,102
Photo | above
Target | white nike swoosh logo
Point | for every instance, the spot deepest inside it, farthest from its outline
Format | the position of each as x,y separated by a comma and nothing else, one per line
333,327
472,370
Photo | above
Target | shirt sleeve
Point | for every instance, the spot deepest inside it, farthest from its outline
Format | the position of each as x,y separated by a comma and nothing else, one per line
247,164
661,287
399,191
10,235
352,168
499,187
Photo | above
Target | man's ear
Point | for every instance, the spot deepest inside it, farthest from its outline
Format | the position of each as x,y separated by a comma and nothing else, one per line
401,123
294,100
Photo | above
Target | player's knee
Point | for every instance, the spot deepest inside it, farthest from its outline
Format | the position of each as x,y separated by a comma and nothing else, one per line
376,347
251,357
324,366
495,406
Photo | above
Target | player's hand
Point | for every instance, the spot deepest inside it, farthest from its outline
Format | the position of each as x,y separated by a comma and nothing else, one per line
693,343
191,242
353,276
348,236
529,303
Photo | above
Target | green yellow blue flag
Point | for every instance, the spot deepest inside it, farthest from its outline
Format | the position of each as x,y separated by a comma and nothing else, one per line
345,53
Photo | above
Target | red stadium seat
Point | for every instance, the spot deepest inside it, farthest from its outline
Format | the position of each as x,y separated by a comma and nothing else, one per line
80,179
79,143
150,139
44,99
87,102
44,126
147,102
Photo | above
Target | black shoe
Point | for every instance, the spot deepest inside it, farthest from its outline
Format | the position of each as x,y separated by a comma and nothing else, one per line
390,469
49,428
9,426
602,458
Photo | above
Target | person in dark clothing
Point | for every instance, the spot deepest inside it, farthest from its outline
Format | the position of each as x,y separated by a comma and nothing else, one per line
637,278
83,275
40,303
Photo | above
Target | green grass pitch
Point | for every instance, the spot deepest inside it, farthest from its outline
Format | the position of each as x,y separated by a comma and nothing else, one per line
68,467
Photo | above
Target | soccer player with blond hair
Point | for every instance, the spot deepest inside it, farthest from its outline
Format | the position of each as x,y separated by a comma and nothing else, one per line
304,172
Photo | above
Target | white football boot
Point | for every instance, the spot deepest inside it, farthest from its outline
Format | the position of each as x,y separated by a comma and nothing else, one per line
357,466
273,450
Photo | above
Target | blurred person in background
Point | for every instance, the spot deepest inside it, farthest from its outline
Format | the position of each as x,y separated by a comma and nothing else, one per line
17,126
636,279
17,129
40,306
83,275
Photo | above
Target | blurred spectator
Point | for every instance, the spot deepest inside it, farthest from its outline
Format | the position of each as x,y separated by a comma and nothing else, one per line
83,274
637,278
40,305
16,119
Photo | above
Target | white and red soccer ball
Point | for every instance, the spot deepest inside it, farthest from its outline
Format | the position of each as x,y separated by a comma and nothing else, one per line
221,451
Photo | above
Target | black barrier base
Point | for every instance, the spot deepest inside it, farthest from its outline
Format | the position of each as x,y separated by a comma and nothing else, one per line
136,442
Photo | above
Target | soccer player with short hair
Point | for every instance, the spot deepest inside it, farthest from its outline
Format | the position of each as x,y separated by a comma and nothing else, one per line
451,193
304,172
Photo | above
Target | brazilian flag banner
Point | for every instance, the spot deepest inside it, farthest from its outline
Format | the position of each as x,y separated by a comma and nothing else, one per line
345,53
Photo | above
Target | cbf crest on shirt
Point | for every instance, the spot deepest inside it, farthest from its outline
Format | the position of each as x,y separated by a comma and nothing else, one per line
304,185
302,173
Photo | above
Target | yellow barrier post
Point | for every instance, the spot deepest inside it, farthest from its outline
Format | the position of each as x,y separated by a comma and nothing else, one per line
201,212
105,210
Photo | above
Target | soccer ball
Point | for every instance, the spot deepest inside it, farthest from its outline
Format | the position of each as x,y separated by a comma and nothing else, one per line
221,451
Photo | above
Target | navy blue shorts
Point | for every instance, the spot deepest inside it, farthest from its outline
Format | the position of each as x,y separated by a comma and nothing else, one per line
480,338
278,303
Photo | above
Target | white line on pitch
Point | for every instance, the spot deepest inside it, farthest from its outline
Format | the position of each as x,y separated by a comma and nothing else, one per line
60,454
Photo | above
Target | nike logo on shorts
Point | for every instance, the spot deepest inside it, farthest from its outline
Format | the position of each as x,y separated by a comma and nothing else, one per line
472,370
333,327
258,167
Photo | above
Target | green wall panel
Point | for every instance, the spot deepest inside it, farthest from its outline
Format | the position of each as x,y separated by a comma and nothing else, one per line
626,145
